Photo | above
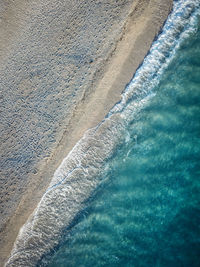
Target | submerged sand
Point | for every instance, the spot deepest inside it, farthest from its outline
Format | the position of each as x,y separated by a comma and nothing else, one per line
117,47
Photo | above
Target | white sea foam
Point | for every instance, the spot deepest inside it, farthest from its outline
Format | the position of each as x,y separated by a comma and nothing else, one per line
79,173
181,22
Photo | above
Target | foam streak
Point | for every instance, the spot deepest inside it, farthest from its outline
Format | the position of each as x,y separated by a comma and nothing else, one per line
80,172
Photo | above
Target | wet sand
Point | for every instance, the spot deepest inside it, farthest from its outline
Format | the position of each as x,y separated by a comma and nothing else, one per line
105,75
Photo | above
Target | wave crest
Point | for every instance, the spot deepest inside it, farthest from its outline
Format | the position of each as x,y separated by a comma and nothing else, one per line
79,174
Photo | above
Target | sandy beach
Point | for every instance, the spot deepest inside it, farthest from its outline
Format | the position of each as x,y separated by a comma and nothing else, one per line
32,61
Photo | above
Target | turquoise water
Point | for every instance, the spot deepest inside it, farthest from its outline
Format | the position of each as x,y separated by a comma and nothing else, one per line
147,212
128,192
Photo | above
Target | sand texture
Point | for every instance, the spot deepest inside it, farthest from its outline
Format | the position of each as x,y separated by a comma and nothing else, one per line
63,65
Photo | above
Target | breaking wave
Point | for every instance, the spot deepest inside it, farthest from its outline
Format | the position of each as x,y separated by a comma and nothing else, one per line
81,171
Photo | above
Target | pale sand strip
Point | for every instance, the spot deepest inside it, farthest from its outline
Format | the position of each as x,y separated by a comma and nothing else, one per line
143,24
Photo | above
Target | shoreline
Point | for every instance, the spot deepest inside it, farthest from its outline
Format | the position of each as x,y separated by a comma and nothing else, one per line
142,26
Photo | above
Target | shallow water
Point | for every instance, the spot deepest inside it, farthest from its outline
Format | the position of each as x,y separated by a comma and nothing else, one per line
140,165
147,212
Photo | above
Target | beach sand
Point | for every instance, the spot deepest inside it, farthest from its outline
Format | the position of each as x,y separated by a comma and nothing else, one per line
39,127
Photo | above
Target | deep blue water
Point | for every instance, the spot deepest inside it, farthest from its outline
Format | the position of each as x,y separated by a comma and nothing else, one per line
147,213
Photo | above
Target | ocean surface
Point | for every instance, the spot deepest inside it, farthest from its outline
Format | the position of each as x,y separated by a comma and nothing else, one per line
128,194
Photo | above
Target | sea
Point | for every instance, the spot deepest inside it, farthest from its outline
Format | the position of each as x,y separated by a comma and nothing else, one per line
128,194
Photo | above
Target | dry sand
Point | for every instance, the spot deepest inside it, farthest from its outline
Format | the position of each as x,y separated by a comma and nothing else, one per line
131,28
